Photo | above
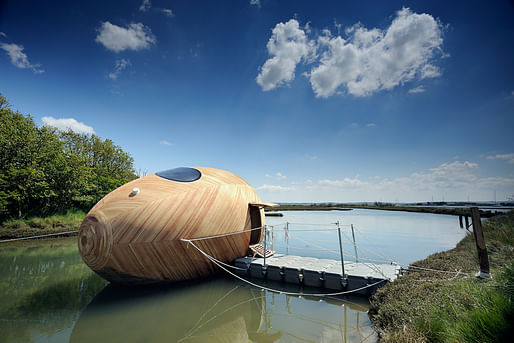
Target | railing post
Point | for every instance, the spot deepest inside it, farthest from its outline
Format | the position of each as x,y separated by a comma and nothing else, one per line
340,246
483,259
287,238
265,234
272,238
354,245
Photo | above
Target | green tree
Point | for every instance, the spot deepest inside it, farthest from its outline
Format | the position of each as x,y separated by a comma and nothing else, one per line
45,171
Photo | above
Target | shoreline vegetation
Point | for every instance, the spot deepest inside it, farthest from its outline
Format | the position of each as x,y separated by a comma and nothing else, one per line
453,306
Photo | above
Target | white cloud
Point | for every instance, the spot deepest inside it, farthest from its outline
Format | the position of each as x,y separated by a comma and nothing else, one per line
279,176
373,60
364,62
255,2
65,124
507,157
354,125
418,89
345,183
145,6
167,12
451,175
19,59
3,34
430,71
288,45
136,36
371,125
119,66
275,188
165,143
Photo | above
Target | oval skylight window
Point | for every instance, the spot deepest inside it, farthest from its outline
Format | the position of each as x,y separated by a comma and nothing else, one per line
181,174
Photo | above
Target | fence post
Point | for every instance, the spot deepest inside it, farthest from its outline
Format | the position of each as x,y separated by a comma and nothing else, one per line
478,234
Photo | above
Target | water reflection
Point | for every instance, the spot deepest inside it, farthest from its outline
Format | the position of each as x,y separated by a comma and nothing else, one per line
44,286
49,295
220,310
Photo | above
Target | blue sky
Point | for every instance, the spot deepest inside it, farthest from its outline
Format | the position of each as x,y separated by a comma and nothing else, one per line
306,100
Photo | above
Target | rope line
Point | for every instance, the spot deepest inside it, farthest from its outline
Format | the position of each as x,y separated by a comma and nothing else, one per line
39,236
276,290
224,234
436,270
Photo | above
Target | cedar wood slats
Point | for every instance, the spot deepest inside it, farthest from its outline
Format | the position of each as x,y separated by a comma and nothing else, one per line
136,239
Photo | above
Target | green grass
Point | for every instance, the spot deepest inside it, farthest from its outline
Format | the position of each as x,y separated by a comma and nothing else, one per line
18,228
428,307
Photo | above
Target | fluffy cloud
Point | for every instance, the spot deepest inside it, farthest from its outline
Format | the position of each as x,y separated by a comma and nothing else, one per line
19,58
120,65
507,157
374,60
65,124
145,6
255,3
288,45
136,36
165,143
275,188
364,62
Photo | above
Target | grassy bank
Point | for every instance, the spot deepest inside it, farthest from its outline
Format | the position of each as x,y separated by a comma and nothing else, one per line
41,226
426,306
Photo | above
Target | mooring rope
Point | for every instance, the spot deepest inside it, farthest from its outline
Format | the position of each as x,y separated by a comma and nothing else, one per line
276,290
39,236
435,270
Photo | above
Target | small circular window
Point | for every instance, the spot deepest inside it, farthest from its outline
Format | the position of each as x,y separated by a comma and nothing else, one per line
181,174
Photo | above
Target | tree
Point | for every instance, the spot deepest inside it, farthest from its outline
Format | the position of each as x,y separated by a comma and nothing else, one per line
45,171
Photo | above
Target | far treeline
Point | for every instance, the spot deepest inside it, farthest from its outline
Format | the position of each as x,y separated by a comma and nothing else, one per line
44,171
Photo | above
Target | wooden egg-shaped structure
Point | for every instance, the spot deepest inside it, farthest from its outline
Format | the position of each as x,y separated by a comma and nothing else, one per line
133,235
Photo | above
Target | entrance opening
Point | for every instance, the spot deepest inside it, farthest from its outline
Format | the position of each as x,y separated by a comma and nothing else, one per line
255,222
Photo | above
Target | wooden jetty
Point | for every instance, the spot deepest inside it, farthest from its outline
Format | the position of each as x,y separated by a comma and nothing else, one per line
363,278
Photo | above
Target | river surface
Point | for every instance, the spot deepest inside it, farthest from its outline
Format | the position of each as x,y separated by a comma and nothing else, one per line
47,294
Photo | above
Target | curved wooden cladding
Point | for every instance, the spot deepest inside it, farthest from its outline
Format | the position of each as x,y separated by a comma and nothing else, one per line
144,230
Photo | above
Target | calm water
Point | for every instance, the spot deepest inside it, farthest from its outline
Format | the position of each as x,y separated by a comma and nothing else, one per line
49,295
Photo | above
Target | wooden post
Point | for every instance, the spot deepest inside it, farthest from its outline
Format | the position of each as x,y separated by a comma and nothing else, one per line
483,259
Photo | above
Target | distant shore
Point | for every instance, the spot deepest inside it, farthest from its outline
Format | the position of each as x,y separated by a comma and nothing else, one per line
460,211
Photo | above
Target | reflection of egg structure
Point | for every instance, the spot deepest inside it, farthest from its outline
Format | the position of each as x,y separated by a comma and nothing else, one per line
133,235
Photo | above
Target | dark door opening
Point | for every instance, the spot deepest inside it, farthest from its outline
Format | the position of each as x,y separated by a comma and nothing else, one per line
255,222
